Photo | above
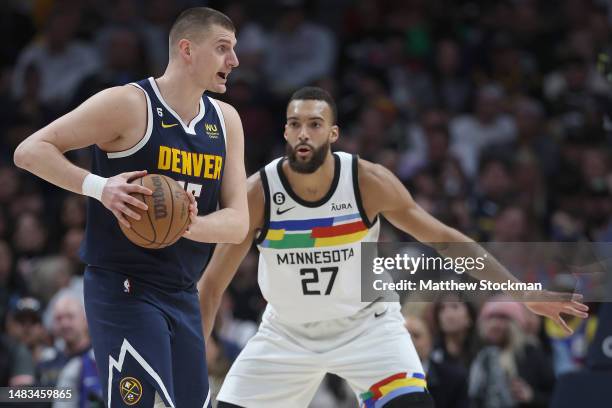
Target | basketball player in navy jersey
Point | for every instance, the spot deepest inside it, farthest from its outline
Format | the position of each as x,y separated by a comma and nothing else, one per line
142,305
309,213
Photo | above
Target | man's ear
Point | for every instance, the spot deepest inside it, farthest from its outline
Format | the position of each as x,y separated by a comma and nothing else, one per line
184,46
335,134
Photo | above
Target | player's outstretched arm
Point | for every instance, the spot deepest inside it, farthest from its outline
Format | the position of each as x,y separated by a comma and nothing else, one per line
404,213
114,119
231,222
227,258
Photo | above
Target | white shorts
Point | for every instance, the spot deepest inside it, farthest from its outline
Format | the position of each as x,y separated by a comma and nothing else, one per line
283,365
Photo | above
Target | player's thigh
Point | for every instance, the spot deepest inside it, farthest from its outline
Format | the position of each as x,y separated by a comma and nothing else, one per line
189,369
272,372
382,362
131,341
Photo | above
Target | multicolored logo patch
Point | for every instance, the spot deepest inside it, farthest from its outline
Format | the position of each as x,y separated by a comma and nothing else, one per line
131,390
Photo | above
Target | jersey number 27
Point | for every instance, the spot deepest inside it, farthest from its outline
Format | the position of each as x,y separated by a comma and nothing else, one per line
311,276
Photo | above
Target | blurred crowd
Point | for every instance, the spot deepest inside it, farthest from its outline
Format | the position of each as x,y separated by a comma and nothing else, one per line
492,113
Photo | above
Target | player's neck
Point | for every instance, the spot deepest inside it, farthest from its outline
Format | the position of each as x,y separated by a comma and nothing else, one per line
313,186
180,94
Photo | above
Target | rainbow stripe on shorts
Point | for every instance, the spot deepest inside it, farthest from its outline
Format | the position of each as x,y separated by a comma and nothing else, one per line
391,387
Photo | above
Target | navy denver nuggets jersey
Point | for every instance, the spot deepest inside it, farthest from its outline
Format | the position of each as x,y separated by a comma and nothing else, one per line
194,156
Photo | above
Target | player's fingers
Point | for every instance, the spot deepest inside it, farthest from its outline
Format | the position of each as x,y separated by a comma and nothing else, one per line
131,175
136,202
129,212
137,188
580,306
192,199
574,312
121,219
564,325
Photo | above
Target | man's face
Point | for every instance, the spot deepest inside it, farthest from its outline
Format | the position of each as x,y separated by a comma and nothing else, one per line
309,132
69,320
213,58
420,337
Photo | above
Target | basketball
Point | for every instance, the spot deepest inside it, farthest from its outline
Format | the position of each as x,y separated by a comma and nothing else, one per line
167,216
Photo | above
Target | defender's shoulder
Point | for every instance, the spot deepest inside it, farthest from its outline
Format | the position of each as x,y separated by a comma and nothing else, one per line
372,174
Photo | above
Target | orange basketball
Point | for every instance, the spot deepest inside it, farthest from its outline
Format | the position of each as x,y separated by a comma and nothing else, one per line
167,216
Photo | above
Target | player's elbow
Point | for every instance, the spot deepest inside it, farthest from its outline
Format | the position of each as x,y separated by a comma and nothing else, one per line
240,231
23,156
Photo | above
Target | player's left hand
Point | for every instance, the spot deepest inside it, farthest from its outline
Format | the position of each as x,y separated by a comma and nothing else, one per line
193,213
552,304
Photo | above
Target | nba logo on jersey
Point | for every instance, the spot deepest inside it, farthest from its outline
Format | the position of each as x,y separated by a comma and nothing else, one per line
127,286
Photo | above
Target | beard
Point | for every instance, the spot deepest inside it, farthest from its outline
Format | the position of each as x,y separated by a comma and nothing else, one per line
309,166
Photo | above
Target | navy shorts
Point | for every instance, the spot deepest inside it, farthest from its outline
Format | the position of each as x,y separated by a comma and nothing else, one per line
146,341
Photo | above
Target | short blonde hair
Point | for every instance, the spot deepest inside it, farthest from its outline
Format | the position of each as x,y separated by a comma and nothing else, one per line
194,22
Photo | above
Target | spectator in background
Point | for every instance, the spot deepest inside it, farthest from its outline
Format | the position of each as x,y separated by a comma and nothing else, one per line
16,367
532,135
251,45
61,60
454,88
124,61
30,236
487,126
299,51
495,189
456,338
72,338
446,381
511,225
9,185
71,243
12,285
512,371
48,275
24,325
78,366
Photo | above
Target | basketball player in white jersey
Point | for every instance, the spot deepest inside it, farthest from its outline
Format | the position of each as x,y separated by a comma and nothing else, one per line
309,212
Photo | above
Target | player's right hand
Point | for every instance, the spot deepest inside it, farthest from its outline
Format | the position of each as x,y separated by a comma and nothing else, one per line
116,196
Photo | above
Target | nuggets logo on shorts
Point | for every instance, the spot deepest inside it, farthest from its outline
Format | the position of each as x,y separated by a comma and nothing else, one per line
131,390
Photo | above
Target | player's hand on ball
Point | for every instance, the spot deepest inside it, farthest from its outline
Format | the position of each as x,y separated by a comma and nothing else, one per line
193,213
116,196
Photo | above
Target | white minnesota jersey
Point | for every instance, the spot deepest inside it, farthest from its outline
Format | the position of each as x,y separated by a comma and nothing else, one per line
310,252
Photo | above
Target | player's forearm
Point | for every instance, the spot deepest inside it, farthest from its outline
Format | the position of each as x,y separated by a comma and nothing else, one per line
209,305
217,277
456,244
47,162
223,226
